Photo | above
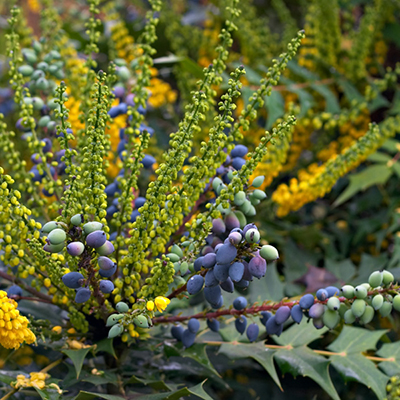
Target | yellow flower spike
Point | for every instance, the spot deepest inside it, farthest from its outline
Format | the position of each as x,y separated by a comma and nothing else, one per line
13,327
161,303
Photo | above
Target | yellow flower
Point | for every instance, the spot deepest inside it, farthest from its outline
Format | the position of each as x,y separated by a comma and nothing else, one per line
13,327
161,303
57,329
36,379
150,305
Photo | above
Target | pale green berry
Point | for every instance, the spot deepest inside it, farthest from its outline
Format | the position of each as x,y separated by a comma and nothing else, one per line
49,226
361,292
122,307
333,303
368,315
331,318
348,291
141,321
396,302
375,279
269,253
388,278
358,307
57,236
386,309
349,317
116,330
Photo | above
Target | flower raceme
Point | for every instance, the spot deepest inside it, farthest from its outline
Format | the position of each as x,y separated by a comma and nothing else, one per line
36,379
13,327
161,303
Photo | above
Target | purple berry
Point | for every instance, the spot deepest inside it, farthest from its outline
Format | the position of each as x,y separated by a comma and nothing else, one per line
96,239
75,249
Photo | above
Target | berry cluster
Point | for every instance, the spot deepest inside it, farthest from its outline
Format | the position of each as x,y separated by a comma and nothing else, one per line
85,242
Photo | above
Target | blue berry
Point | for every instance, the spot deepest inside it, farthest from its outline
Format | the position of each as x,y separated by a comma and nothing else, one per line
240,324
193,325
322,294
306,301
188,338
257,267
72,280
240,303
96,239
106,286
209,260
252,332
272,327
14,290
236,271
282,314
195,284
296,313
108,273
239,151
213,324
226,254
227,285
177,332
82,295
332,291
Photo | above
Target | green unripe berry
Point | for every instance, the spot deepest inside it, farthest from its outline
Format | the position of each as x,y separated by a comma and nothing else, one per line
42,84
331,318
396,302
386,309
37,46
113,319
375,279
333,303
348,291
173,257
92,226
252,236
25,70
240,198
240,216
377,301
358,307
177,250
27,100
343,309
123,73
361,292
116,330
53,69
184,268
216,183
38,103
57,236
43,66
44,121
37,74
259,194
349,317
54,248
122,307
245,207
77,219
251,212
49,226
388,278
269,253
368,315
254,201
120,62
224,211
258,181
52,104
141,321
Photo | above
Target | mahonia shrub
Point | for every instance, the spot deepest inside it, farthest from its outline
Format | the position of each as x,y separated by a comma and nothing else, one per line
140,263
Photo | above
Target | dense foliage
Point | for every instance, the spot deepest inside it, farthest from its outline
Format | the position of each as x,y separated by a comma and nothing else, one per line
262,235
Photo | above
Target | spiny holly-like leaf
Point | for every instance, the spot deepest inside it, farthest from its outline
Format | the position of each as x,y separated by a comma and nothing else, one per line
358,368
106,345
77,357
90,395
332,105
275,105
198,353
390,351
270,287
197,391
48,394
303,361
355,340
155,384
373,175
300,335
257,351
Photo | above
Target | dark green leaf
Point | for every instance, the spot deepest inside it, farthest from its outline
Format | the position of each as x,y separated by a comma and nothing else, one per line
268,288
301,71
106,345
192,67
392,146
49,394
344,270
300,334
198,353
356,340
257,351
303,361
77,357
390,351
332,105
350,90
155,384
357,367
373,175
9,376
252,76
90,395
305,99
275,105
379,157
197,391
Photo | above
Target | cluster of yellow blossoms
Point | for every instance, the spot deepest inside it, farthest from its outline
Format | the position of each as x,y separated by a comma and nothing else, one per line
13,327
36,379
